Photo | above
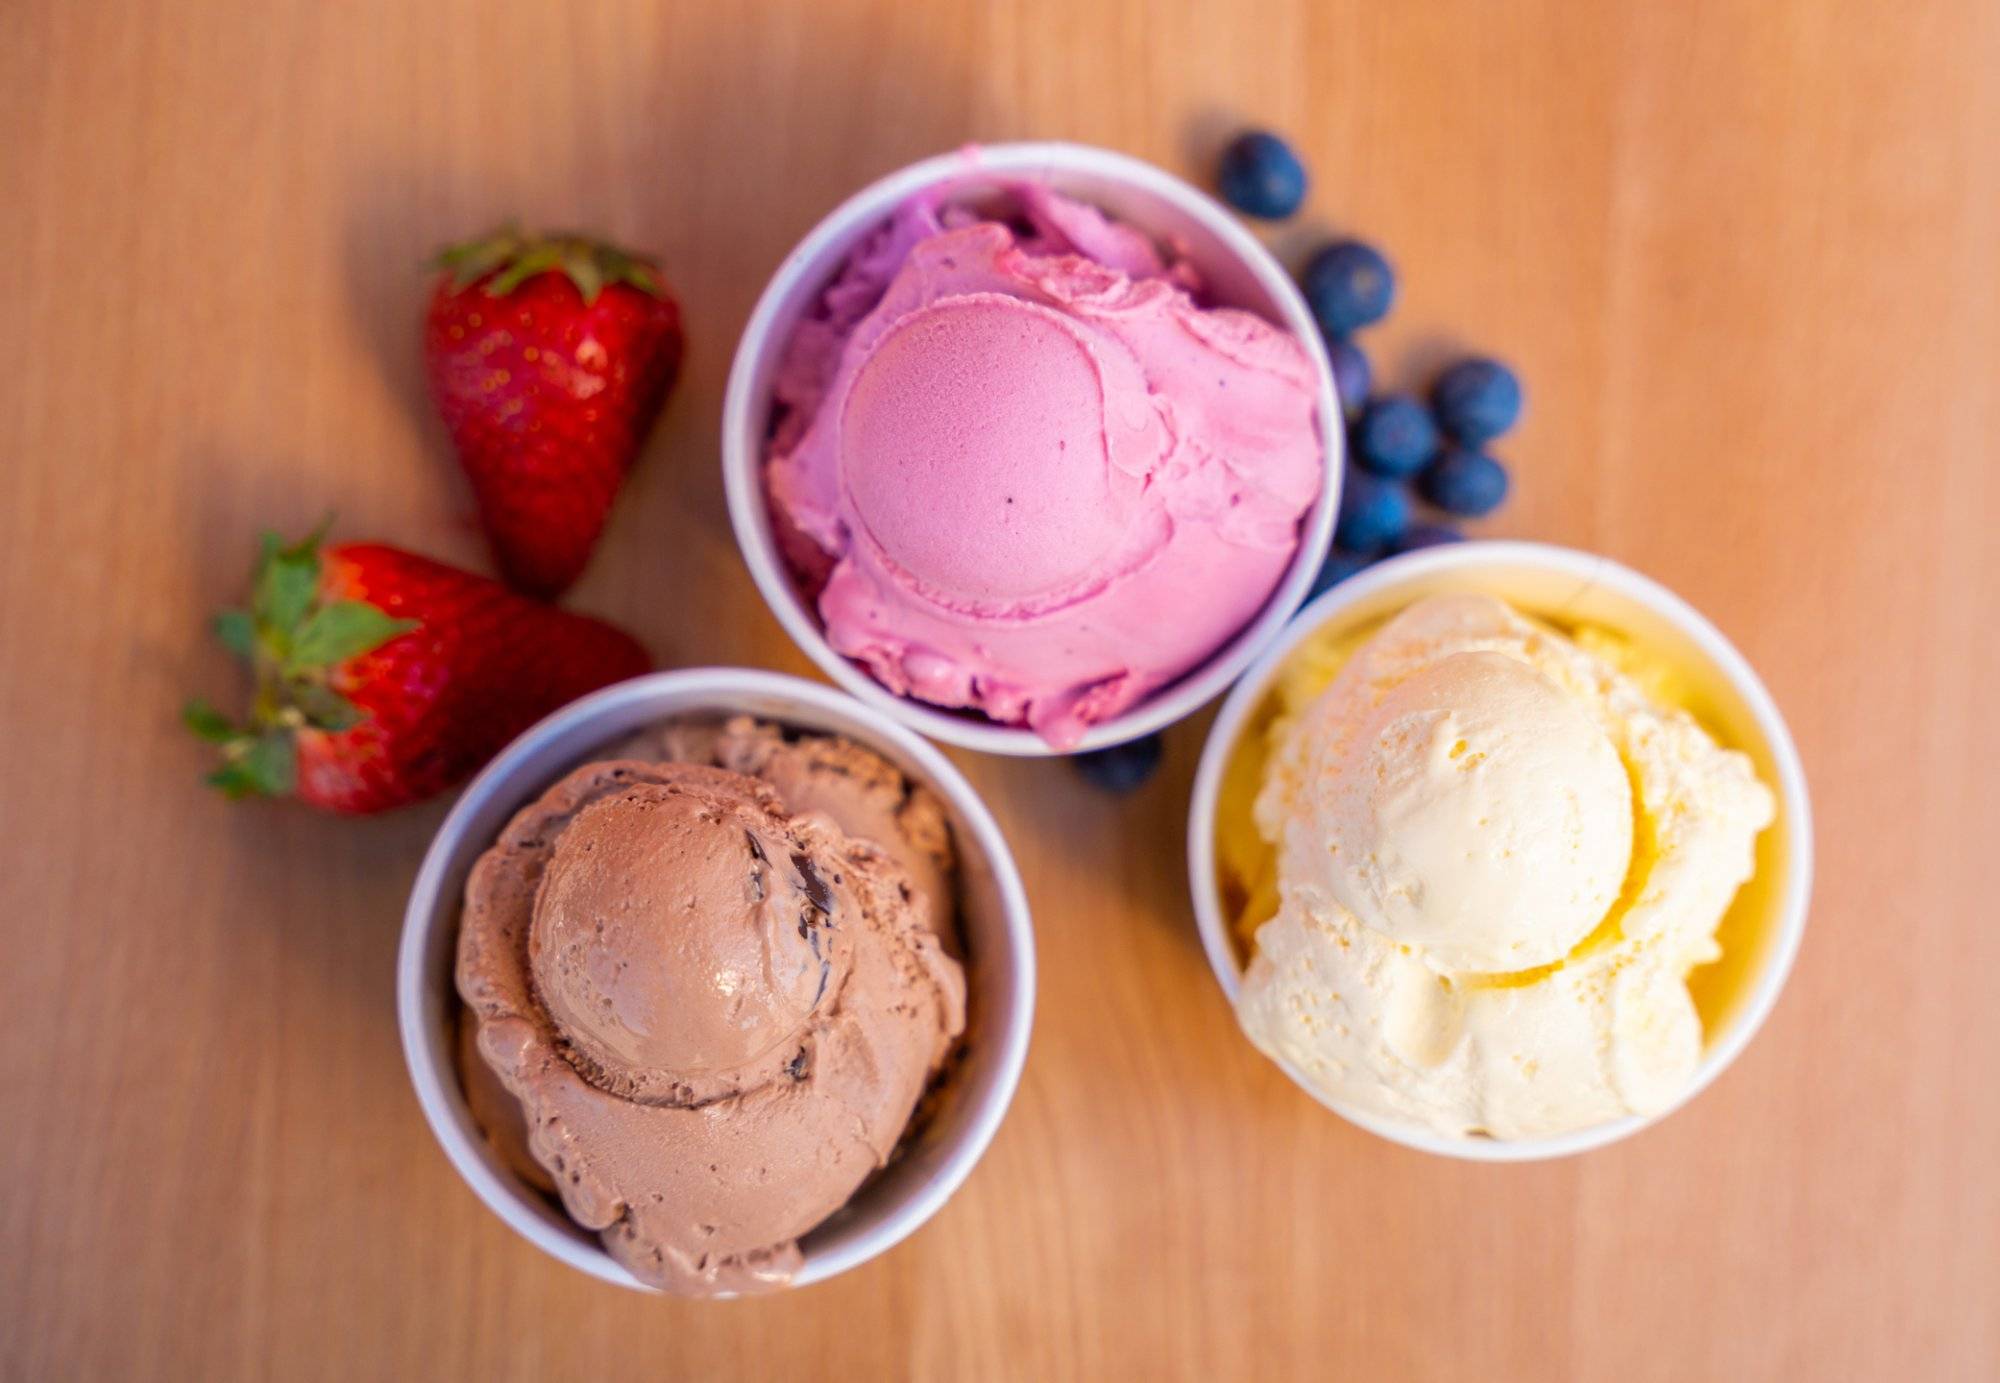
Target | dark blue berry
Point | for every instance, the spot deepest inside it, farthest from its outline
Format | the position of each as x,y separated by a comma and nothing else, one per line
1337,568
1351,375
1428,535
1477,400
1348,285
1122,767
1373,512
1395,436
1464,482
1261,176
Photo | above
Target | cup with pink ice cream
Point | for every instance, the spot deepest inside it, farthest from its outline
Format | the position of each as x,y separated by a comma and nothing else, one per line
1032,447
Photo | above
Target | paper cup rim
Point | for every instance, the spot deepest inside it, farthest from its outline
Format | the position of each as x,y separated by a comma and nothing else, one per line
436,1082
1791,905
744,431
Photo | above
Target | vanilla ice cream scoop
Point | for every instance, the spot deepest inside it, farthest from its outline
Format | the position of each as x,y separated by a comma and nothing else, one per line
1475,812
1497,862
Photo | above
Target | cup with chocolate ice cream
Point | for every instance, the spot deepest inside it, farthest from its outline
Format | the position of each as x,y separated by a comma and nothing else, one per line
716,982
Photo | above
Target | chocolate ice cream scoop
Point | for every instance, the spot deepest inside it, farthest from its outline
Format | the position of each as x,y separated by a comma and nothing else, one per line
680,943
717,1015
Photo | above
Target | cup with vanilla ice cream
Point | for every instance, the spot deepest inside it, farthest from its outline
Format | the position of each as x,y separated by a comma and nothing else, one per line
1501,852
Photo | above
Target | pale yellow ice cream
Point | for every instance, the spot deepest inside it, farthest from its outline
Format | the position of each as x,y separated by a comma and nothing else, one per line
1466,807
1497,859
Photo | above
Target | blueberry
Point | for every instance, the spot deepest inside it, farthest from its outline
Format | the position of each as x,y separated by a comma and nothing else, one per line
1122,767
1261,176
1348,285
1428,535
1395,436
1477,400
1351,375
1373,512
1464,482
1339,565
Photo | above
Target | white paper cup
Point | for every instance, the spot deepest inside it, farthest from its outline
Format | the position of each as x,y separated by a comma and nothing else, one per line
999,965
1239,272
1570,586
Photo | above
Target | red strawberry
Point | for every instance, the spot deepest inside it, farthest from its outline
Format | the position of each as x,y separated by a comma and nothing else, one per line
550,357
384,678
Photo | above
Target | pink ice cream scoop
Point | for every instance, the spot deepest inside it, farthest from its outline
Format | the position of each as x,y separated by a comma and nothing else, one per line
1026,472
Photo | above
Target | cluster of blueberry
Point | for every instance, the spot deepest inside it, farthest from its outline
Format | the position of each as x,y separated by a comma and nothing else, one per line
1394,440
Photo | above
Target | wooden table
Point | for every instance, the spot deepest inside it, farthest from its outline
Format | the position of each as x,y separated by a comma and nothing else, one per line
1747,256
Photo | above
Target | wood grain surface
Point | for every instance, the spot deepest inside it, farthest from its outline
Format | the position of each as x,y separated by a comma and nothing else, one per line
1747,256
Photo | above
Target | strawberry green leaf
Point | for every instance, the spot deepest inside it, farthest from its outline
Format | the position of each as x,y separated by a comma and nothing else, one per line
268,767
345,629
636,275
540,259
231,781
310,545
477,266
207,722
584,272
486,246
273,762
285,586
325,709
237,632
472,260
507,258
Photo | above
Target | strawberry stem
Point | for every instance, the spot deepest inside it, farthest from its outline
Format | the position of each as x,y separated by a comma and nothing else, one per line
505,258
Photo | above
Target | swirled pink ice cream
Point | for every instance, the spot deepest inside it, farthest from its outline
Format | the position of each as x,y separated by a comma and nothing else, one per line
1024,470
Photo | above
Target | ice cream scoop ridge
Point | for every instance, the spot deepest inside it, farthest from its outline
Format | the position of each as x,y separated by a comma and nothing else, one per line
1024,471
717,1013
1498,861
